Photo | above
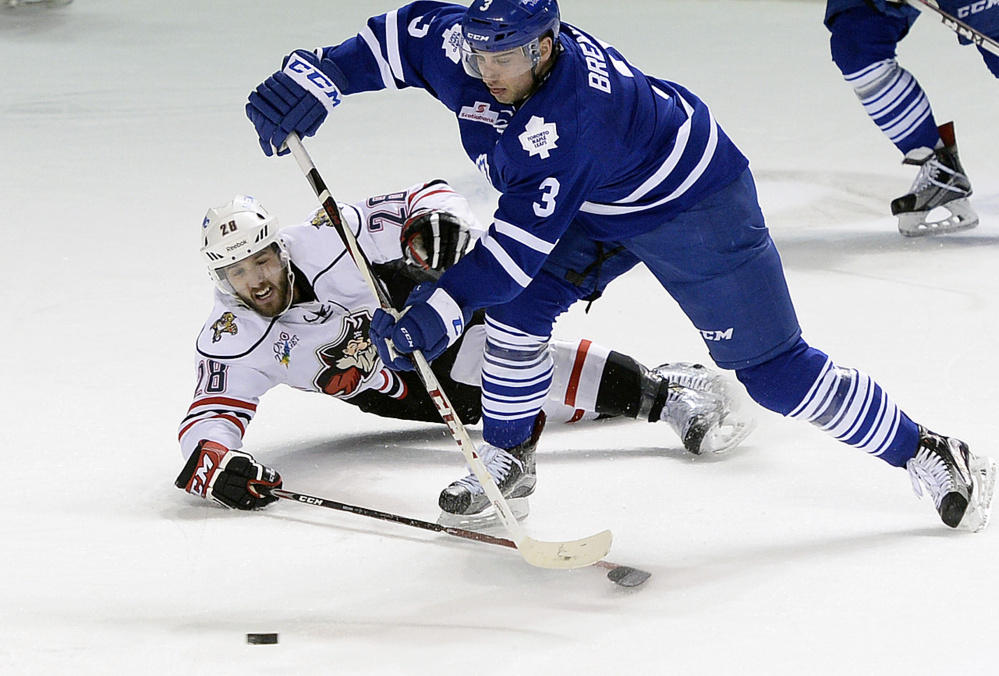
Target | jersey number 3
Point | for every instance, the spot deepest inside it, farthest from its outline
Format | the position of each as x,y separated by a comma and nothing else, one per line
549,189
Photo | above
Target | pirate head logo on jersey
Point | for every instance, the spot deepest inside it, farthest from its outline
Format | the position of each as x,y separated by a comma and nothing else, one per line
224,324
350,359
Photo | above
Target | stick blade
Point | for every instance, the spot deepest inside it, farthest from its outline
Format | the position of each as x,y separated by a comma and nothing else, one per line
573,554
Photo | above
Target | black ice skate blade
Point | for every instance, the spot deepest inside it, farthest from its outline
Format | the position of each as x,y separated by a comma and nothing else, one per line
487,520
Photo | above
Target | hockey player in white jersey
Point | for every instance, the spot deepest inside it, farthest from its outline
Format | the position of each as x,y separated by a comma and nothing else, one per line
291,308
599,167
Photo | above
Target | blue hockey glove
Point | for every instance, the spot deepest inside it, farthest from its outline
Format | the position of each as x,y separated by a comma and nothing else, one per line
296,98
431,323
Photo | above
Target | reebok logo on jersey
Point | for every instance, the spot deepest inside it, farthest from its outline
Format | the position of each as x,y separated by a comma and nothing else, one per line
539,137
479,112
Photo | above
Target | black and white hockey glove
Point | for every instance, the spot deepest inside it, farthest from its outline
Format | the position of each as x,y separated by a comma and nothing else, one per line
435,240
215,473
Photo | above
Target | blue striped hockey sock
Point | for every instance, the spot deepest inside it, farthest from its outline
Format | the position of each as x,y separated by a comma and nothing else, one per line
850,406
516,376
897,104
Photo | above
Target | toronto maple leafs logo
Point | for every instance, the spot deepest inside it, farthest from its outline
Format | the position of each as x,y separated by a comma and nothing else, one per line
539,137
224,324
350,359
452,43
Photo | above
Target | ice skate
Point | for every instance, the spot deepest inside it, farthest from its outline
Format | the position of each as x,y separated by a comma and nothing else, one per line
960,483
938,200
464,503
700,406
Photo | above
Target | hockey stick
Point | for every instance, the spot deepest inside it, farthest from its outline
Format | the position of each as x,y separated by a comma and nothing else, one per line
956,25
625,576
572,554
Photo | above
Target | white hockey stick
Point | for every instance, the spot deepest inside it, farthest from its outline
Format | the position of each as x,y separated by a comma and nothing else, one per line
956,25
572,554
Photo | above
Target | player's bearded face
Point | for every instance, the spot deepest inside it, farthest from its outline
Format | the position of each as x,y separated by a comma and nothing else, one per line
261,281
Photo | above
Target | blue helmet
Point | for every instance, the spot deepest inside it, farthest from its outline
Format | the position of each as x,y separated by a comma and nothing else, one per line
499,25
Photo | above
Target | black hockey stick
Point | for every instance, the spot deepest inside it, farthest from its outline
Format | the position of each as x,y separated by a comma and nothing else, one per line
625,576
956,25
570,554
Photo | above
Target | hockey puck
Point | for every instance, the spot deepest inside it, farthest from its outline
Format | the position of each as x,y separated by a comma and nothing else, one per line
261,639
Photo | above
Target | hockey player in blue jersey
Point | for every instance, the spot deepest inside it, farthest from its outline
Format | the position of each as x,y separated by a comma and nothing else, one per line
864,35
599,167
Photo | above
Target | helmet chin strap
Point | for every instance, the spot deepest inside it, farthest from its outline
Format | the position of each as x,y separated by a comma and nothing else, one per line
291,289
538,80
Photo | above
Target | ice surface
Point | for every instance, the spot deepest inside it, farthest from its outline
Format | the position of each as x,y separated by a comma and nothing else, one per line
121,122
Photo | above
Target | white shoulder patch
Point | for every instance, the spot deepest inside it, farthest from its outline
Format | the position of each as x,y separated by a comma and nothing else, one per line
452,43
539,137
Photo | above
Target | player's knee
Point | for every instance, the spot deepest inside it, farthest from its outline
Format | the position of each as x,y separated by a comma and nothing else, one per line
862,36
783,382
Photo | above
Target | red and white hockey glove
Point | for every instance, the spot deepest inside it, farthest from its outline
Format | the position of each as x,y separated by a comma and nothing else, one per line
215,473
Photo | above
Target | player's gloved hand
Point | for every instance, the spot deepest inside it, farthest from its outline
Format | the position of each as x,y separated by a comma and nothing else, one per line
434,239
227,477
431,322
296,98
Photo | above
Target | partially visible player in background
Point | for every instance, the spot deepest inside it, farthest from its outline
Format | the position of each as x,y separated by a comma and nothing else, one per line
291,308
864,37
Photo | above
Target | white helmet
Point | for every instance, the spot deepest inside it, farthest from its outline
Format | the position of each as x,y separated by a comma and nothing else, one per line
235,231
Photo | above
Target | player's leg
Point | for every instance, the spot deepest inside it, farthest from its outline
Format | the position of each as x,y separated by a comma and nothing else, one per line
721,266
862,43
592,381
805,384
518,367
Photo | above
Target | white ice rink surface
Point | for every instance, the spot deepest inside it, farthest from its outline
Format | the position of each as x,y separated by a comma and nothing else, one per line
122,121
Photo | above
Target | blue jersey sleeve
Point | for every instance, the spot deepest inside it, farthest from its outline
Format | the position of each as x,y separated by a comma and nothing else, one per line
397,49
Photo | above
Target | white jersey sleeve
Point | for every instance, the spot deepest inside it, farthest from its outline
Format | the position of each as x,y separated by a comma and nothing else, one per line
381,218
225,402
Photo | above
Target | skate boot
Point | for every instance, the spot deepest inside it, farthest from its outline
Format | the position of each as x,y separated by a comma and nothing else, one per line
937,202
960,483
698,404
464,502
